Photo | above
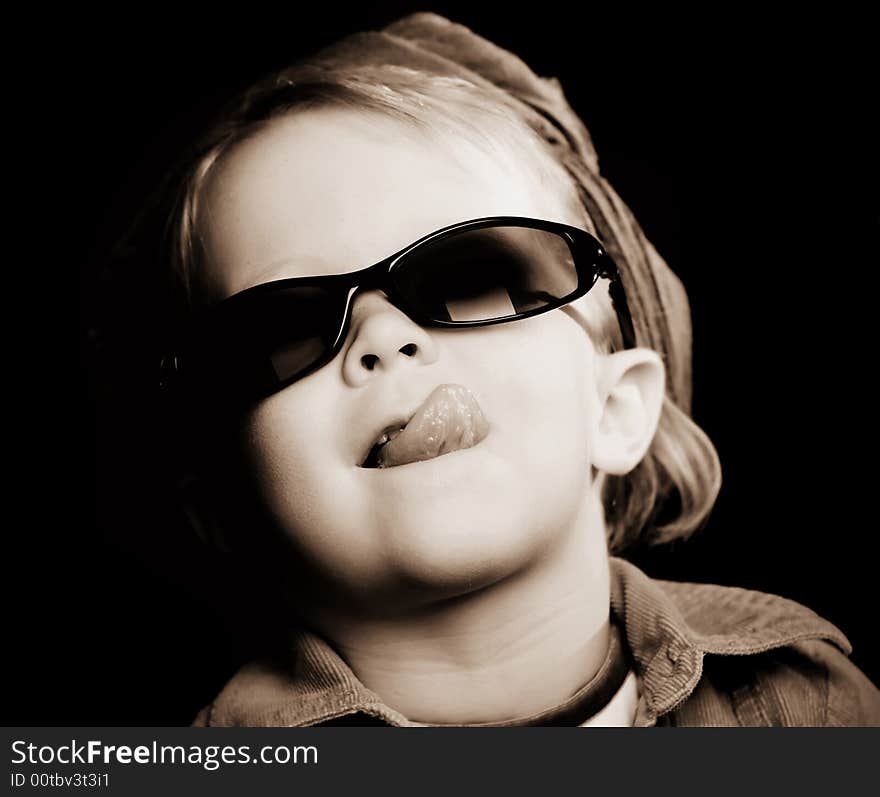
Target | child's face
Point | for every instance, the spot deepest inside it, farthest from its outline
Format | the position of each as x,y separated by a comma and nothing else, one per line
329,191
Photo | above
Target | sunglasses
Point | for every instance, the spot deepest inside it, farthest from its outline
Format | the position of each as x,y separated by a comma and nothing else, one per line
472,274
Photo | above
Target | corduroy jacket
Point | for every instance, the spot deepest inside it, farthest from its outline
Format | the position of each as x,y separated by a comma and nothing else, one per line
704,655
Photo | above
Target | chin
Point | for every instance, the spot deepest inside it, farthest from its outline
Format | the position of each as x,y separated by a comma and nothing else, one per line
464,548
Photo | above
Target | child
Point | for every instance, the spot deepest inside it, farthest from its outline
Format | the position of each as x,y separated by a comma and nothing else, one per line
417,371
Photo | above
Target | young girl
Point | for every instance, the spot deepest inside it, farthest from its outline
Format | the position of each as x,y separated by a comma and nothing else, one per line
429,360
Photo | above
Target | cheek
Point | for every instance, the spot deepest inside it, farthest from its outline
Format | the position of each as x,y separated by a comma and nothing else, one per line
539,379
289,449
296,449
287,439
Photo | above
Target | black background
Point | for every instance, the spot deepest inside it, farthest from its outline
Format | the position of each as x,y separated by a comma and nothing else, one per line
739,144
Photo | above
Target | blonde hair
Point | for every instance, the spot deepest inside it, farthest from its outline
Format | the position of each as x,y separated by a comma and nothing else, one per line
671,492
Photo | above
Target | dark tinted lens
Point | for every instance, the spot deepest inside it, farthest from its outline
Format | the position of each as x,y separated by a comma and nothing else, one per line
480,275
268,338
298,326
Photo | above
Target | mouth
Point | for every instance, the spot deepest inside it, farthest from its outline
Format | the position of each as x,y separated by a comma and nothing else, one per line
389,433
450,419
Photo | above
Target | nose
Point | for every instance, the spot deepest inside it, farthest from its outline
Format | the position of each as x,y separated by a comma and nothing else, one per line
383,338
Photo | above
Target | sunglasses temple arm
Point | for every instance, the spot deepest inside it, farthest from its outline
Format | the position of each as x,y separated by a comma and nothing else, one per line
618,299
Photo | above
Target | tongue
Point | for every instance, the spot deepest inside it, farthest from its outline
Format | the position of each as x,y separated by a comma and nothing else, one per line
450,419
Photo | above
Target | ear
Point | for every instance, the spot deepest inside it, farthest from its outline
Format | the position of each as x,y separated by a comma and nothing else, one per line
632,385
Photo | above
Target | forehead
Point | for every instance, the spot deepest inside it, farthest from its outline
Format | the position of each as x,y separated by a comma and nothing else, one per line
328,191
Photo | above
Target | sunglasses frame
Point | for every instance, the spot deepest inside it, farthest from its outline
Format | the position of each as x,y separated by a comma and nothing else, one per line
590,260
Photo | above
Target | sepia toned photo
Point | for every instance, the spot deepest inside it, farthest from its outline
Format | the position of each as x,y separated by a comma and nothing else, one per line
415,400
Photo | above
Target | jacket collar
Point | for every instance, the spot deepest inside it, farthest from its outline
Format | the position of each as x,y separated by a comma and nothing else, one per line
668,628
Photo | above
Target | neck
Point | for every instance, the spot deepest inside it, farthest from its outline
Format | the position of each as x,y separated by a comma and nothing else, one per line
517,647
